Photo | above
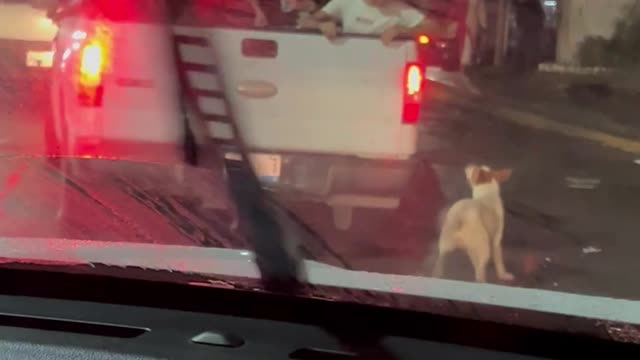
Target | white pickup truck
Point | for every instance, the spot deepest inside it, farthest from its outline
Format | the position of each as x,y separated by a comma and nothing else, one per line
331,122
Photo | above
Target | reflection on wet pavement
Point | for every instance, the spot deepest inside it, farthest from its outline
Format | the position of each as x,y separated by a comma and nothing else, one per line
112,201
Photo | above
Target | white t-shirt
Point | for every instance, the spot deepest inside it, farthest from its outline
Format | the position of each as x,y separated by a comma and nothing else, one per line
358,17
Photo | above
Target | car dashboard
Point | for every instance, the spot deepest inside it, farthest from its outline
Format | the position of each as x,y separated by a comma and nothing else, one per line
81,330
46,315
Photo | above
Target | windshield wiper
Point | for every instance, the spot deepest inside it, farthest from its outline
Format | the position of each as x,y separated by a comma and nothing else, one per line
280,264
276,249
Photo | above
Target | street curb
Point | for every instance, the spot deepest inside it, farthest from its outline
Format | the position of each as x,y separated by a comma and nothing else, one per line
540,122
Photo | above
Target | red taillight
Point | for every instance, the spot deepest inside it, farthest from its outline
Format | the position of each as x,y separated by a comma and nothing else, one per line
410,112
413,82
93,59
414,79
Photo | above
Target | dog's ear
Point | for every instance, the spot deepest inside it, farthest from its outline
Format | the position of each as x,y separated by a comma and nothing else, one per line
479,176
501,175
473,173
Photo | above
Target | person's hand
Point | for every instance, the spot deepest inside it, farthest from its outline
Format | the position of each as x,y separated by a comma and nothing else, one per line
260,19
390,34
305,21
329,29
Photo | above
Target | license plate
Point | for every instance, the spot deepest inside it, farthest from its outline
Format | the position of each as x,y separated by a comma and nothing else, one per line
267,166
39,59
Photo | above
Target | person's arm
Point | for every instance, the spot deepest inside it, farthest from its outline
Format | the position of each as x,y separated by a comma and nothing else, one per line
331,12
413,23
326,20
260,19
308,6
482,14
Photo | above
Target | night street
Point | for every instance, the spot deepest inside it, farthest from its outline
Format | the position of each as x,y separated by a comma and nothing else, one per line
334,171
570,207
570,203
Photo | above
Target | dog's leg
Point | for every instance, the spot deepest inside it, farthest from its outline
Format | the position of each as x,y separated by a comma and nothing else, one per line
498,260
480,253
444,248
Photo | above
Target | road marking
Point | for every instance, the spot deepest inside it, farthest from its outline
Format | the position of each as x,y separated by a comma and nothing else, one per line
544,123
540,122
582,183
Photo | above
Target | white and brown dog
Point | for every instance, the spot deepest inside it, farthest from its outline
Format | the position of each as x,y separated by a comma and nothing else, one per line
476,225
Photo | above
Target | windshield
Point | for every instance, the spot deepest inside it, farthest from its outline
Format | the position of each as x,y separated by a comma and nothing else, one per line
476,150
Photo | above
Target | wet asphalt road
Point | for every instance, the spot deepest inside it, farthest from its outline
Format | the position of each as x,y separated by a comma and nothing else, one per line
571,204
556,237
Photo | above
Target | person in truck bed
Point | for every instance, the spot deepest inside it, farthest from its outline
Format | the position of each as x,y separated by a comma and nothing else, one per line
236,13
388,18
307,6
303,8
243,13
271,12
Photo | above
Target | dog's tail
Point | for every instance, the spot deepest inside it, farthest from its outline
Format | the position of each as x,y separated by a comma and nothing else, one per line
442,217
445,226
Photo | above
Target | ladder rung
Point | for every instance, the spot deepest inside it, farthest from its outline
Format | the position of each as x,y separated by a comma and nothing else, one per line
191,40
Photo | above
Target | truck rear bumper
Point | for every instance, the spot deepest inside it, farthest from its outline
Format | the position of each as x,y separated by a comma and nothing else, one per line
344,181
338,181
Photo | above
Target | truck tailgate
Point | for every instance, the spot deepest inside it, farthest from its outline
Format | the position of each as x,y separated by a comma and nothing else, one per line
297,92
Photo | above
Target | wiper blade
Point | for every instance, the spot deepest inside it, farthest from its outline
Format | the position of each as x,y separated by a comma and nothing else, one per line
280,265
276,249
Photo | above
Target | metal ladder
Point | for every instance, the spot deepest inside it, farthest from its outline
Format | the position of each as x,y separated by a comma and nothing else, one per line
218,125
279,265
